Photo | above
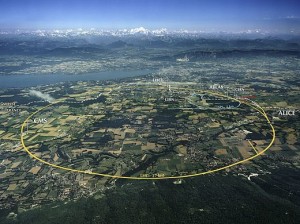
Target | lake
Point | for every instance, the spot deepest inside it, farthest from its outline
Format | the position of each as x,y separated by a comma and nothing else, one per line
21,81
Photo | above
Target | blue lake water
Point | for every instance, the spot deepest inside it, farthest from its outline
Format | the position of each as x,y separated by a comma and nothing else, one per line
21,81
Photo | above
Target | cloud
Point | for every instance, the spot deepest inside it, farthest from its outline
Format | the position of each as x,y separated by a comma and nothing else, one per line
44,96
291,17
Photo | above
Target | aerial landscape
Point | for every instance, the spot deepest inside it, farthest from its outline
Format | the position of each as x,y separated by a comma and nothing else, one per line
149,111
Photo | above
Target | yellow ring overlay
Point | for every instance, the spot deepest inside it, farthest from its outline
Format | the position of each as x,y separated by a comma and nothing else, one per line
256,107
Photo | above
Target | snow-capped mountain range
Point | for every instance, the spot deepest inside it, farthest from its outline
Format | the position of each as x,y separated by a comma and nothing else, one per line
140,31
92,31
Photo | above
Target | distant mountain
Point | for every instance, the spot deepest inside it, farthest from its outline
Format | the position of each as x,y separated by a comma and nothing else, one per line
200,42
198,54
75,42
67,51
141,31
117,44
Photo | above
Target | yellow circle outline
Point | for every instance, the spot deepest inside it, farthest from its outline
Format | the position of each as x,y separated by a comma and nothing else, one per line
258,108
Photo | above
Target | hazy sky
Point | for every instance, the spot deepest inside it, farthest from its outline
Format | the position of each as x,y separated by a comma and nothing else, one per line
208,15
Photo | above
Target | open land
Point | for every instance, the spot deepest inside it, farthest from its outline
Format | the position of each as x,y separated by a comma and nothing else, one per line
161,124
